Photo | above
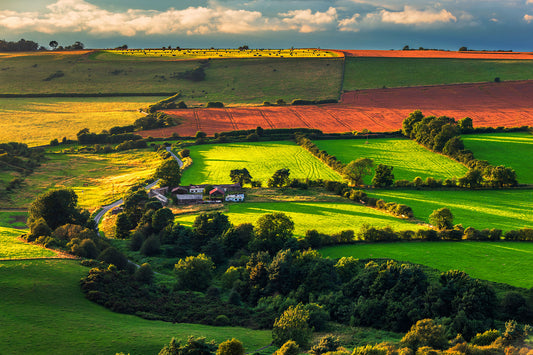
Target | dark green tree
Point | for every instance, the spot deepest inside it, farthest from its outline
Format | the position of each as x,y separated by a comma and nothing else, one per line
57,207
122,226
208,226
112,256
144,274
280,178
356,170
162,218
292,325
273,230
383,176
425,333
169,172
442,218
194,272
240,176
151,246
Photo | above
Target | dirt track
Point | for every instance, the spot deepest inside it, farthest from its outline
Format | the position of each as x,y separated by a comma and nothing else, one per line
488,104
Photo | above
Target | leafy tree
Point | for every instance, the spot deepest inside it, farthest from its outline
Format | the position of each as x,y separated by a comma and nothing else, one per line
472,179
240,176
289,348
466,125
151,246
442,218
425,333
280,178
162,218
237,237
292,325
383,176
200,134
144,274
169,172
39,228
57,207
122,226
195,272
207,226
53,44
356,170
230,347
273,230
112,256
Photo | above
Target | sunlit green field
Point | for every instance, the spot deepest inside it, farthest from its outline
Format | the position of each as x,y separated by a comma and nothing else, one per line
506,262
212,163
231,80
37,121
328,218
166,54
513,150
372,73
408,158
97,179
502,209
43,311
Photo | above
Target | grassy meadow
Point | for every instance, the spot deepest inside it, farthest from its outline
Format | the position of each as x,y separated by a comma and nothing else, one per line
36,121
502,209
408,158
212,163
43,308
505,262
510,149
373,73
97,179
325,217
228,80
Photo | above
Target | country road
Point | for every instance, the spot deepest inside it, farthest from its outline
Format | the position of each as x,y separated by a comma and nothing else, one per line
117,203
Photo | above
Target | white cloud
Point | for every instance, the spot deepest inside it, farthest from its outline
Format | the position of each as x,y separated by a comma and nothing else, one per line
528,18
412,16
79,15
349,24
306,21
529,2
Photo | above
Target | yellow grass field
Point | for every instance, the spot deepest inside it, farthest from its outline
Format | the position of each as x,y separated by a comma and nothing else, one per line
174,54
37,121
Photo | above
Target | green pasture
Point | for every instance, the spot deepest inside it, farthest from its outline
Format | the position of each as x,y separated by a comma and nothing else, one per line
502,209
505,262
408,158
97,179
325,217
373,73
191,53
36,121
227,80
513,150
212,163
43,311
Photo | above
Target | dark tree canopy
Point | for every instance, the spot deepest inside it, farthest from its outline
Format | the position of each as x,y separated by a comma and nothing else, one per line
240,176
58,207
280,178
356,170
384,176
169,172
442,218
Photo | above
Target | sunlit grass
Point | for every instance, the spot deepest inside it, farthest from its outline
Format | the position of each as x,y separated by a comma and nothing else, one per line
506,262
502,209
43,311
407,157
212,163
513,150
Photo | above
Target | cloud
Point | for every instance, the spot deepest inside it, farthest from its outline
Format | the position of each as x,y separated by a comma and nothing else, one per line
529,2
411,16
349,24
528,18
306,21
81,16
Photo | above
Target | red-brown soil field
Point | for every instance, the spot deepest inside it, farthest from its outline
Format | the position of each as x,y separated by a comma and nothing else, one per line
437,54
379,110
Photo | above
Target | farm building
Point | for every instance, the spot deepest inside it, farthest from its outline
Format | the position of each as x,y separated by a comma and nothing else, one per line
235,197
199,189
216,192
189,198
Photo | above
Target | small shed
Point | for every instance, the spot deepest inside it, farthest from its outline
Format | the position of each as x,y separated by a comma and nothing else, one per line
216,192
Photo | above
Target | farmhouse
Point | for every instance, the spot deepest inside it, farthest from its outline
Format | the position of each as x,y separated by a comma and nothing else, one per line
216,193
199,189
159,194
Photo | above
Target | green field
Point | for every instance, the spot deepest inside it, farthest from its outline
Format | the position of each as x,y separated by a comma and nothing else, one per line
505,262
328,218
227,80
514,150
502,209
372,73
212,163
36,121
408,158
98,179
43,311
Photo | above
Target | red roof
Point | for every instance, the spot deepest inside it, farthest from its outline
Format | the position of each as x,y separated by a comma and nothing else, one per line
216,190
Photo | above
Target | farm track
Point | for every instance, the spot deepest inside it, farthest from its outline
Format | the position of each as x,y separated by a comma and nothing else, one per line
488,104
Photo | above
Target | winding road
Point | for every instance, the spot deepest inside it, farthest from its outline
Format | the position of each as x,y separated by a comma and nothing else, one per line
117,203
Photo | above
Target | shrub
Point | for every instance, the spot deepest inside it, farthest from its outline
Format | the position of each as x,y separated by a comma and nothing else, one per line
144,274
112,256
292,325
151,246
222,320
215,104
194,272
230,347
289,348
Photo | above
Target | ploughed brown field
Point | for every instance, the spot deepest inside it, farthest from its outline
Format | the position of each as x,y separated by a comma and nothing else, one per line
379,110
437,54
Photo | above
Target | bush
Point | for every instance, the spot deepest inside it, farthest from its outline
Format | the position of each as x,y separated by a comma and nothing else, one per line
215,104
230,347
112,256
151,246
195,272
289,348
144,274
292,325
222,320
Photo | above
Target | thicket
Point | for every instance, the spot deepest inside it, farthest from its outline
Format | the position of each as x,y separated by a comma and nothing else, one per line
19,46
442,135
168,103
19,158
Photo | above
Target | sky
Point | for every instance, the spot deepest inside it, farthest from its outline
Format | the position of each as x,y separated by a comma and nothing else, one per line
341,24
